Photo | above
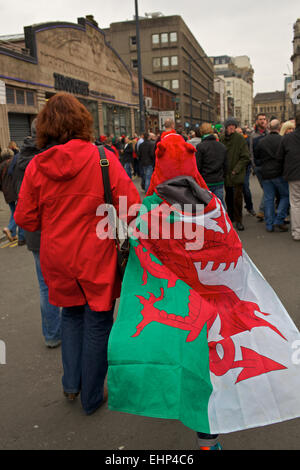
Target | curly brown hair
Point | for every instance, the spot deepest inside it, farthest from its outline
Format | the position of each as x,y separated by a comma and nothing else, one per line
63,118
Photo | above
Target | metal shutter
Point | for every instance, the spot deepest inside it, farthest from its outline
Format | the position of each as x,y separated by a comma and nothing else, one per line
19,127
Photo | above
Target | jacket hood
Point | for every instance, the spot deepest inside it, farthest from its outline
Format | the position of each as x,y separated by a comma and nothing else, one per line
27,152
63,162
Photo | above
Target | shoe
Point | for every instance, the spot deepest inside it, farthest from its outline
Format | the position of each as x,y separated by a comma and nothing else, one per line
280,228
53,343
240,226
21,242
71,396
252,212
270,229
260,216
296,239
8,234
216,447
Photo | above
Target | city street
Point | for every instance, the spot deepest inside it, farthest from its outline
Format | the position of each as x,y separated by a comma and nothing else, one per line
33,411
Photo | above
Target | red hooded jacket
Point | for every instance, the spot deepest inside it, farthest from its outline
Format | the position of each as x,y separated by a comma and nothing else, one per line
60,194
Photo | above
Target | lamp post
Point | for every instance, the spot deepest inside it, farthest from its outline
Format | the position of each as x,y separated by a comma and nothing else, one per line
140,75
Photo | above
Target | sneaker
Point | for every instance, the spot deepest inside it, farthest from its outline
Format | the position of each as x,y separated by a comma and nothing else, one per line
53,343
8,234
251,212
280,228
215,447
21,242
240,226
260,216
71,396
270,229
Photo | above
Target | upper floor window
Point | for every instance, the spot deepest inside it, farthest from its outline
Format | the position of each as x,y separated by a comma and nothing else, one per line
175,84
156,62
133,40
164,37
165,61
155,38
134,63
173,37
174,60
166,83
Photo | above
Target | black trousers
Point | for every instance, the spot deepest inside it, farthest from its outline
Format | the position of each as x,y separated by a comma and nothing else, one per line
234,202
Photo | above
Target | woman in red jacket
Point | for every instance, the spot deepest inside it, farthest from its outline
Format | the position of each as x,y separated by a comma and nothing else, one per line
60,194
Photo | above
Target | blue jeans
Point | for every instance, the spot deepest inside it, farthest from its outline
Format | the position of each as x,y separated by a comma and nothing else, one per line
246,190
12,226
127,168
271,187
51,318
147,172
218,190
84,353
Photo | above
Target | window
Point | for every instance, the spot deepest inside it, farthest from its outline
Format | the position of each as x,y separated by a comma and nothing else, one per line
156,62
164,38
29,98
174,60
173,37
134,63
20,96
10,95
166,83
155,38
165,61
133,40
175,84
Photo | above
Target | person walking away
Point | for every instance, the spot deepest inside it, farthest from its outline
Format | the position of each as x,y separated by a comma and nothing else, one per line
196,138
260,131
127,157
273,182
147,158
6,186
50,314
62,195
211,158
287,127
289,156
238,160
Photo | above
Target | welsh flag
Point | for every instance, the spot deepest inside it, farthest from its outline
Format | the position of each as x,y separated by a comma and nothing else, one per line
200,336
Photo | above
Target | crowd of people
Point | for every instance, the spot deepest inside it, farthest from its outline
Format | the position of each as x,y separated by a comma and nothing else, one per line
53,201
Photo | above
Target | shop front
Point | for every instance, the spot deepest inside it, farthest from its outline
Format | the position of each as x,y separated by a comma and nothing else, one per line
69,57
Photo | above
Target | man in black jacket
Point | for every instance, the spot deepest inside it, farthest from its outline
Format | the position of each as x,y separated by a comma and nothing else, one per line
211,158
51,319
146,154
271,171
289,156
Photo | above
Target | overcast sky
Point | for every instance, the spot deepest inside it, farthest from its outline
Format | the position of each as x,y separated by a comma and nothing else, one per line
262,30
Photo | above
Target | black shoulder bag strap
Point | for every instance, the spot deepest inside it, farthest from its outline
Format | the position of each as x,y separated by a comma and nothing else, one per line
104,163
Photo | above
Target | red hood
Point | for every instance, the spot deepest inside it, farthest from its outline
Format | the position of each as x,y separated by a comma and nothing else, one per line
174,157
64,162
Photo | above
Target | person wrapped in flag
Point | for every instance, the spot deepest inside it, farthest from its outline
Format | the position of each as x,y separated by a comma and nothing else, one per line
200,336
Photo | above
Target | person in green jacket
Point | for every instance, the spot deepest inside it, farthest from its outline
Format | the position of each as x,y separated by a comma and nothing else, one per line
238,159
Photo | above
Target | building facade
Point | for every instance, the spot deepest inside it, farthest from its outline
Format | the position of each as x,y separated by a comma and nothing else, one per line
159,101
171,57
296,65
276,104
76,58
237,74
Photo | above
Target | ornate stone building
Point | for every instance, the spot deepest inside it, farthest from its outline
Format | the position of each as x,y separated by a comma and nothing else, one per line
296,63
64,56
